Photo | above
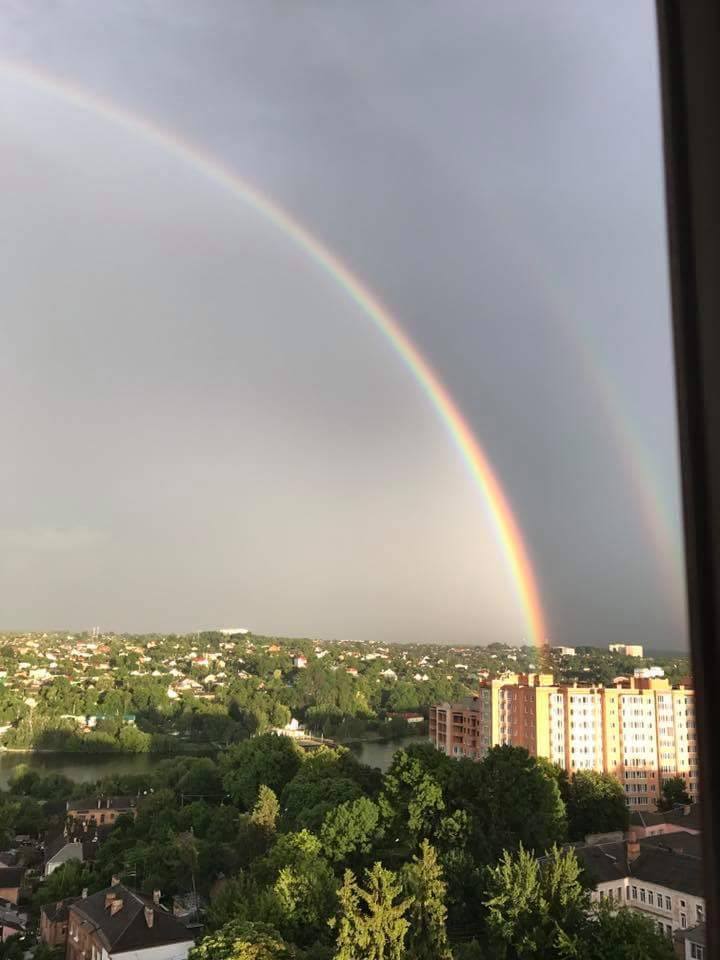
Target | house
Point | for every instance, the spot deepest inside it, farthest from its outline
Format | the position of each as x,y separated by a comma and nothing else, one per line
299,661
291,729
662,880
101,809
54,921
120,923
63,848
11,879
691,944
12,920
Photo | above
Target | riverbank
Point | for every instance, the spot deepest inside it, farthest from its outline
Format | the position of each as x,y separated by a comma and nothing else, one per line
90,767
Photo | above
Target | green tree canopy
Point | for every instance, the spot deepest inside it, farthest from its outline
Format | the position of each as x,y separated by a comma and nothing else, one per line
423,881
266,810
350,829
411,801
673,792
269,759
533,907
243,940
515,803
371,923
596,804
612,934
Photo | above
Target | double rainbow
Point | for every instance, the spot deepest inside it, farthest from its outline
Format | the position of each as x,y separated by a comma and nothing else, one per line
504,522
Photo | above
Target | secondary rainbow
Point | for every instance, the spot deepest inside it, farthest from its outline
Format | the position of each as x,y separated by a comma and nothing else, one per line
504,522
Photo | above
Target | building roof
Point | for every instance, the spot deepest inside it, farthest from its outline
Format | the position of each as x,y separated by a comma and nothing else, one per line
604,862
57,912
127,928
694,934
681,816
676,865
670,869
11,876
691,844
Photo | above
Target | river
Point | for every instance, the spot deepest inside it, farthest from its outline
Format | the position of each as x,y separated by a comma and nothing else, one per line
91,767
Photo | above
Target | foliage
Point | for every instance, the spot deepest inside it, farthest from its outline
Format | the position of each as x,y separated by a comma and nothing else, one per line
348,831
533,907
595,804
269,759
372,923
427,913
623,934
673,792
68,880
514,803
266,810
411,801
243,940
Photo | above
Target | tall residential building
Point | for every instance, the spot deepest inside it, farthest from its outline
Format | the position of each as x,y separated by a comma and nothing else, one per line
628,649
641,730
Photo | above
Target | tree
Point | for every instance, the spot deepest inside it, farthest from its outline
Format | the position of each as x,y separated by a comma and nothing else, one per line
532,907
349,830
673,792
371,924
266,810
612,934
269,759
243,940
427,913
514,803
411,802
68,880
302,884
202,779
596,804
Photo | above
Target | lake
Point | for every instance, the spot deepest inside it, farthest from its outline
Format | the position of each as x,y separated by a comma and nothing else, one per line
91,767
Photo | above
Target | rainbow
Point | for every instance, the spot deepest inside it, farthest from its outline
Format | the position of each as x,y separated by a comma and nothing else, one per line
505,525
659,513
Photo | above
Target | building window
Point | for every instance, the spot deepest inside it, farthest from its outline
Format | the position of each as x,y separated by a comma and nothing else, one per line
651,898
683,921
642,894
668,903
697,951
700,913
634,893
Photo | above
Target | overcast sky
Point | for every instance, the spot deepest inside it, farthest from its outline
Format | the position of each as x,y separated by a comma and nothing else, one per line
199,428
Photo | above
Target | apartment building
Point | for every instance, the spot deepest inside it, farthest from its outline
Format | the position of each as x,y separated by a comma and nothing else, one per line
641,730
627,649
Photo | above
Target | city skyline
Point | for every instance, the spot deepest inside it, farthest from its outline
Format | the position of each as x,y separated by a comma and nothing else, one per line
205,427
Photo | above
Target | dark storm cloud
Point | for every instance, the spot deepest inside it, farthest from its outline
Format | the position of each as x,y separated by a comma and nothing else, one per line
494,172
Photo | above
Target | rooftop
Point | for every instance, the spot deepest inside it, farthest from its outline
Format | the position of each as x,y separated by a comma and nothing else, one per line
137,923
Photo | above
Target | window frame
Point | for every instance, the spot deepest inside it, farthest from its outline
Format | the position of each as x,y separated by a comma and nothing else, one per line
689,45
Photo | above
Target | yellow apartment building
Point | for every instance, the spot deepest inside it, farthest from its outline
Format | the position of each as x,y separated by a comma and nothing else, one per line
641,730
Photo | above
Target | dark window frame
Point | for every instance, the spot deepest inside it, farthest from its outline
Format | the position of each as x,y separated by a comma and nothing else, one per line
689,35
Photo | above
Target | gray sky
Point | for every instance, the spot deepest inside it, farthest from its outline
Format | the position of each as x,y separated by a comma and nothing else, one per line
200,428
